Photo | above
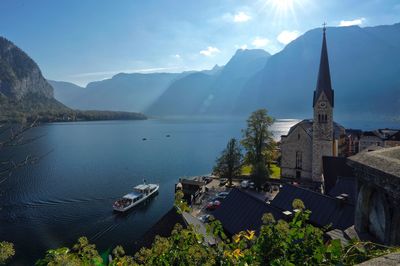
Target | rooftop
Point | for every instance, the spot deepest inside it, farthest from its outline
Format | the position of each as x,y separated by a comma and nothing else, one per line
386,161
325,210
241,211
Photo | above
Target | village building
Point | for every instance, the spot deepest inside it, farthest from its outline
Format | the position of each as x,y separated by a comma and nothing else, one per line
308,141
379,138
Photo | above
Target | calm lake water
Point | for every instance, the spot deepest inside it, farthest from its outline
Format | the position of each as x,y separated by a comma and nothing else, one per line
70,192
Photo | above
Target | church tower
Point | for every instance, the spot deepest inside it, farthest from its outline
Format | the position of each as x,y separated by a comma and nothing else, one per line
322,144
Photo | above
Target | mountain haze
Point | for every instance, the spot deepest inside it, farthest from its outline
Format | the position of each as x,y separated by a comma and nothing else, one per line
122,92
365,69
364,64
215,93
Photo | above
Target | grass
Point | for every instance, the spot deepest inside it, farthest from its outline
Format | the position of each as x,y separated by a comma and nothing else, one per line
275,170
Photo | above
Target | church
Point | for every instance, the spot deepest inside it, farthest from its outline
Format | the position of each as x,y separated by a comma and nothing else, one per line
308,141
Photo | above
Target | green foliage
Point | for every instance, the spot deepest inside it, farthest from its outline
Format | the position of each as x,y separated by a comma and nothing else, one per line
34,107
183,247
180,204
259,144
257,137
6,251
229,164
279,243
82,253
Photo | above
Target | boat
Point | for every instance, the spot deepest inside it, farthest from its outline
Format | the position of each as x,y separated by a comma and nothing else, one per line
139,194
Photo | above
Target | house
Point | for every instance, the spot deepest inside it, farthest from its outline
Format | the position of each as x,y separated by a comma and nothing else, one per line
193,190
380,138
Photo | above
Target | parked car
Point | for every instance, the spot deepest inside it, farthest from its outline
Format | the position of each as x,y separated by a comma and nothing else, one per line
222,195
245,184
207,179
212,205
223,181
251,185
205,218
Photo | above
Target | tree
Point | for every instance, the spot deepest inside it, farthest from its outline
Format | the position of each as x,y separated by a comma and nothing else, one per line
6,251
229,164
259,144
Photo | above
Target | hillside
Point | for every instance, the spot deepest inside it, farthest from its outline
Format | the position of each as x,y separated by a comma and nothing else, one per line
26,95
365,73
211,93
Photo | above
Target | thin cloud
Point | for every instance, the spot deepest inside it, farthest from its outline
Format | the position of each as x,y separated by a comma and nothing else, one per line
106,73
241,17
354,22
243,46
286,36
260,42
210,51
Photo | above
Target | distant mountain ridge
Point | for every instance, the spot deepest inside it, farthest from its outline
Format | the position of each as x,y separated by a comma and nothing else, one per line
25,95
200,93
364,65
365,73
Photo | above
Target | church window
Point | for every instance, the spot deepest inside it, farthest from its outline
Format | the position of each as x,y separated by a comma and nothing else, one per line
298,136
299,159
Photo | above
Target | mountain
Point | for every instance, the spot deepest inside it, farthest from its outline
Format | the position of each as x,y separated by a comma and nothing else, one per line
26,95
365,72
211,92
66,92
23,89
123,92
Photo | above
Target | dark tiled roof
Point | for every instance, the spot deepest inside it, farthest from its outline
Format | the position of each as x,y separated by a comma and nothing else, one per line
395,137
163,228
307,126
370,134
240,211
325,210
192,182
324,76
344,185
334,167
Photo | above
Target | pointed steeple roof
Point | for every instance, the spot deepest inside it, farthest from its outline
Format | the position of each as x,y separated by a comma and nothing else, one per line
324,75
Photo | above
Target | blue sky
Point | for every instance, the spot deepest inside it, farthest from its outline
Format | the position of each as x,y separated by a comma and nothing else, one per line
85,40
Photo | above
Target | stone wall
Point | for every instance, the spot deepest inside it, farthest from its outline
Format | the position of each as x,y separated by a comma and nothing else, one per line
378,194
297,141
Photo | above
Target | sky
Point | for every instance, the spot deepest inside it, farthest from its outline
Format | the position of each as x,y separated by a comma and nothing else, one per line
87,40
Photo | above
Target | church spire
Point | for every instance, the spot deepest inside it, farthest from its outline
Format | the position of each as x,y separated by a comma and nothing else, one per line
324,76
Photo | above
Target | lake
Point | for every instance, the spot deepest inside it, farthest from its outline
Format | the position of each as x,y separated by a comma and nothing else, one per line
87,165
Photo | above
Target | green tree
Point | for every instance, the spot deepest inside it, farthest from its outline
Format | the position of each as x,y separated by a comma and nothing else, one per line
6,251
229,164
259,144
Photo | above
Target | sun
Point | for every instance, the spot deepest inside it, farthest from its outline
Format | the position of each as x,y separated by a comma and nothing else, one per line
281,5
283,10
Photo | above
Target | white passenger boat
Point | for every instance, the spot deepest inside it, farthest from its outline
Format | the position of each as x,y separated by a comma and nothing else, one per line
140,193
